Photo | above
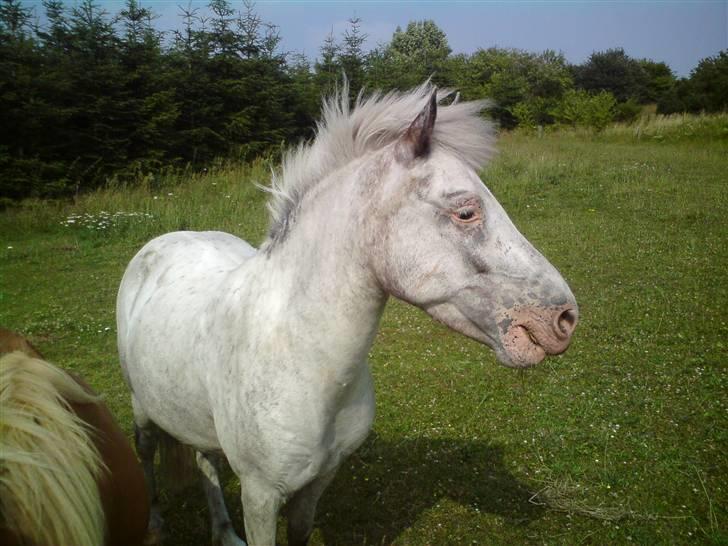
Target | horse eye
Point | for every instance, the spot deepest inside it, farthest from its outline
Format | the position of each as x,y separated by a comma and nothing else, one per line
466,215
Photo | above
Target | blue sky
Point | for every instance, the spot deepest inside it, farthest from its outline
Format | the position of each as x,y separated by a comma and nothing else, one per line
679,33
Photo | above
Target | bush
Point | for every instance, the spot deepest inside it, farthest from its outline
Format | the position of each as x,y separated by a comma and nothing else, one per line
628,111
579,108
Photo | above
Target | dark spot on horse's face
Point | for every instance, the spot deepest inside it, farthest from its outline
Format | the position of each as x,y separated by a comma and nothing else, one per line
507,301
505,324
421,186
478,237
482,268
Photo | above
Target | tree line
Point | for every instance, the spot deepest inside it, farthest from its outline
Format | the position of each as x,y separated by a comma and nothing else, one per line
89,97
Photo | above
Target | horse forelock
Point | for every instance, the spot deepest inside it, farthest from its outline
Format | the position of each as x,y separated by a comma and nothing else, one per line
48,490
346,133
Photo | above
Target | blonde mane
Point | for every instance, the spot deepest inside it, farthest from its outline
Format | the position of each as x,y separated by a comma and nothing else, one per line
345,134
48,462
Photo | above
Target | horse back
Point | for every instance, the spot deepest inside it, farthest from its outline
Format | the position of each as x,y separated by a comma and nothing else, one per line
175,265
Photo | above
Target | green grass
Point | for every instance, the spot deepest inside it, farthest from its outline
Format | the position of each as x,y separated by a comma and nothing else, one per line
620,440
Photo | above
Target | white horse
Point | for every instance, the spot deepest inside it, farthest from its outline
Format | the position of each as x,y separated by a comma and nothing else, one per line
261,355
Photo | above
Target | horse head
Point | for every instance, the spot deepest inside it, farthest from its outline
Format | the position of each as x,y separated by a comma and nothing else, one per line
443,243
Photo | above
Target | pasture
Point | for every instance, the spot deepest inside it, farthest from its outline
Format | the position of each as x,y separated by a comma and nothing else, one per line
623,439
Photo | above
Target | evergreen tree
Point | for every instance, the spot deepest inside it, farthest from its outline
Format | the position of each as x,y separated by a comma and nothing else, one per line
95,140
149,107
22,171
14,20
327,69
57,35
306,91
351,56
224,39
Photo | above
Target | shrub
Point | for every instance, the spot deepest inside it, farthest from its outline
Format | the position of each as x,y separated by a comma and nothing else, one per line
579,108
628,111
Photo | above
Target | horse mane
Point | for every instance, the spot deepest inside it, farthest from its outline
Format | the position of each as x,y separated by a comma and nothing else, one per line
50,465
346,133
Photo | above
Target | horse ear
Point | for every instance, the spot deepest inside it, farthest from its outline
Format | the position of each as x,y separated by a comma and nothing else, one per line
416,140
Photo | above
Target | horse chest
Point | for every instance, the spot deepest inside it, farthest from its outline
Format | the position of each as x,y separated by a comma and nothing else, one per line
344,433
294,435
354,419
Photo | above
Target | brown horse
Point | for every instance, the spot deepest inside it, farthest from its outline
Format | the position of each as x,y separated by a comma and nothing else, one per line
68,475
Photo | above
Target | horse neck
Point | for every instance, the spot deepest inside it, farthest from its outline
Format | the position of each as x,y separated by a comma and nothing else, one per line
320,273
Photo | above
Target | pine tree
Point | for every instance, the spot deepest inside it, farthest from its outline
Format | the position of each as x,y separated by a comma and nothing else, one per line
19,58
327,69
351,57
149,108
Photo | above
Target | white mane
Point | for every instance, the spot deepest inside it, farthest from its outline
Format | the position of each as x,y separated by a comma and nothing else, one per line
344,134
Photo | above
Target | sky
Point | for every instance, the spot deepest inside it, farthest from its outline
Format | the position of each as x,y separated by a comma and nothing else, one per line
679,33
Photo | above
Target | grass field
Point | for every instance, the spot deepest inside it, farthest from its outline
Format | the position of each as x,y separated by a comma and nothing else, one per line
621,440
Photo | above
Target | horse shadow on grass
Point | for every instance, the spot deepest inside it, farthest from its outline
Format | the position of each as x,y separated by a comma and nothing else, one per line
386,486
382,490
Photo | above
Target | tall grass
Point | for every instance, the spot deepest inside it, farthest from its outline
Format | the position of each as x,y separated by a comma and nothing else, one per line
650,127
227,197
674,127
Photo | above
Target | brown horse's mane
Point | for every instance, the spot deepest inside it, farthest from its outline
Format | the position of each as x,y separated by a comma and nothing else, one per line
48,491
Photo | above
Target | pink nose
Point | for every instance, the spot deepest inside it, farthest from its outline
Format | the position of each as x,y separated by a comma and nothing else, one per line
551,327
565,323
534,332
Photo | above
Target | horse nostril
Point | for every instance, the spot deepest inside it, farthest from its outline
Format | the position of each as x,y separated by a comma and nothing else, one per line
566,322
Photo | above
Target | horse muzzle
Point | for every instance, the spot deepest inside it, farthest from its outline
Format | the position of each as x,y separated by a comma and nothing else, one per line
529,334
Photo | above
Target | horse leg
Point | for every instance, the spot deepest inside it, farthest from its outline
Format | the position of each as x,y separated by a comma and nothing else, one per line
261,503
146,438
301,510
222,530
